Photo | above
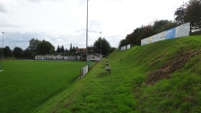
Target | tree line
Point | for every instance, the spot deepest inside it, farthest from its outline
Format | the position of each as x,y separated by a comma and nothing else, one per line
38,47
35,47
188,12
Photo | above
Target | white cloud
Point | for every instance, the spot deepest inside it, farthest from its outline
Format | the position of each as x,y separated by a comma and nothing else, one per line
7,6
64,21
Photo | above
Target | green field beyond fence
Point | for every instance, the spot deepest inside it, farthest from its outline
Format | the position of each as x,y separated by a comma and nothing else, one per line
25,85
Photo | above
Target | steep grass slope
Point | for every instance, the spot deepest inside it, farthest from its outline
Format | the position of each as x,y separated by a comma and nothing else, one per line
159,77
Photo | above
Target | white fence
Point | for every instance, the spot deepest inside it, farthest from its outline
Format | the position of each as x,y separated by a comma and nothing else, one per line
126,47
95,57
84,70
180,31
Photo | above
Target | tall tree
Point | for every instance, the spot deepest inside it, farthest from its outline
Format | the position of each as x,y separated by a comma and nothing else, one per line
162,25
123,42
58,49
62,49
190,12
180,14
45,47
71,47
33,43
193,14
102,46
18,52
28,54
8,52
139,33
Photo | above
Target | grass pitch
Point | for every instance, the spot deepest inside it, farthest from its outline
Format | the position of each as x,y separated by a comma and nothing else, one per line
26,84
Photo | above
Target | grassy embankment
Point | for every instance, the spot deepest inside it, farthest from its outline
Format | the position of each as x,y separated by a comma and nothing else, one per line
156,78
25,85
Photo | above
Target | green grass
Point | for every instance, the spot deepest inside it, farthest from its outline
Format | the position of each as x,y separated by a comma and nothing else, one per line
126,89
25,85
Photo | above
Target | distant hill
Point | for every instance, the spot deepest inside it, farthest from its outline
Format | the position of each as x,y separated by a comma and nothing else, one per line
161,77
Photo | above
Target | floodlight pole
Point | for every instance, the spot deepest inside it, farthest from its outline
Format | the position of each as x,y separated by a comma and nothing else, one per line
87,36
100,42
2,47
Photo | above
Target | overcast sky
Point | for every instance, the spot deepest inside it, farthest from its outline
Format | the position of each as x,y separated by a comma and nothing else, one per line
62,22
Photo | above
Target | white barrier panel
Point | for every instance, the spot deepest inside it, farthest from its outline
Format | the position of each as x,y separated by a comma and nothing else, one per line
155,38
123,48
144,41
170,33
84,71
183,30
161,36
180,31
128,46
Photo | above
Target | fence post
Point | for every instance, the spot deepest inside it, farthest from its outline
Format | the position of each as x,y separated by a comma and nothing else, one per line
81,72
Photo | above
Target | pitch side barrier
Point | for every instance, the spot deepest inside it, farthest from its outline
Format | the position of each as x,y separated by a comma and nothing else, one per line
84,70
126,47
180,31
